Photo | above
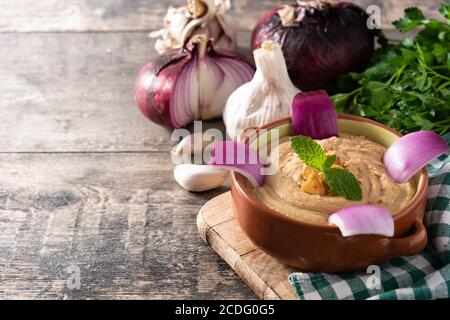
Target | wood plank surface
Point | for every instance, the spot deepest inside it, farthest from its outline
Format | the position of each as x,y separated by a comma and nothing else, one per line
120,218
218,227
110,15
143,15
74,92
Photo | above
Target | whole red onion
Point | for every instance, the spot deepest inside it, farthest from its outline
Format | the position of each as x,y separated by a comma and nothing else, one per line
320,41
186,84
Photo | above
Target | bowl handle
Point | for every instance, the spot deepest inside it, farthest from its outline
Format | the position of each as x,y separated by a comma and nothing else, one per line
393,247
412,244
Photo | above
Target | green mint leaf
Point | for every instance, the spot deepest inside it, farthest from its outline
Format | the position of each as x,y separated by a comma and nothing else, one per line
413,17
344,183
309,151
329,161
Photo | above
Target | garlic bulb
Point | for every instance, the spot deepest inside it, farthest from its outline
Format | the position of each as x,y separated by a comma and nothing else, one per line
267,97
197,178
197,17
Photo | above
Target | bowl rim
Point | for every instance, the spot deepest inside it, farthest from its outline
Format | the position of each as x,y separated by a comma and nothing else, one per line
418,197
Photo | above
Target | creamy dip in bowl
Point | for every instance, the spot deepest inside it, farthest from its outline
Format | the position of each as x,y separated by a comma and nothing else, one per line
285,190
291,225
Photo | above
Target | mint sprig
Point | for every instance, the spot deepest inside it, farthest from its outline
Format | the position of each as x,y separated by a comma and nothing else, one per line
341,181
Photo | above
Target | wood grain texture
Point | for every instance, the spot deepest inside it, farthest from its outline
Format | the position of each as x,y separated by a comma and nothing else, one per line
143,15
120,218
218,227
74,92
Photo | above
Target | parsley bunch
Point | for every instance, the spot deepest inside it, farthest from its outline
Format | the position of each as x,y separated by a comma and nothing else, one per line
407,86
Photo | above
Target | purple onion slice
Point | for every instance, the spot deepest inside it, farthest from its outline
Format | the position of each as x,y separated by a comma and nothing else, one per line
406,156
314,115
238,157
367,219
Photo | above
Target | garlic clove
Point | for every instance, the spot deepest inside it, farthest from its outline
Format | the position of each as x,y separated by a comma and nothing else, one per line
192,144
198,178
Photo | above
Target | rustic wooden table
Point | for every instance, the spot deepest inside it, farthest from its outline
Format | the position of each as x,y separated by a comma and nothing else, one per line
85,180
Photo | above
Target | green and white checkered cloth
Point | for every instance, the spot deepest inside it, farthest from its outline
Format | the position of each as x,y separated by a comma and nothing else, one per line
424,276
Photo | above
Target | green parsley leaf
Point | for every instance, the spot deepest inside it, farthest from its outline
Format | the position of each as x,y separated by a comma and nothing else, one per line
339,101
309,151
423,123
344,183
408,42
413,17
445,10
440,52
377,96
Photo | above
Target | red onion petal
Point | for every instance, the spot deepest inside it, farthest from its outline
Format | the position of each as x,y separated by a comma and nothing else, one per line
236,73
313,115
237,70
406,156
154,84
184,104
212,78
238,157
367,219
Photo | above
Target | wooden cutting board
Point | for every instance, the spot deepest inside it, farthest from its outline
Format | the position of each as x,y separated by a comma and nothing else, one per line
219,228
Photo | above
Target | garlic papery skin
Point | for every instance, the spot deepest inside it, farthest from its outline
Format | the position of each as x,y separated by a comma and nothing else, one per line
198,178
197,17
267,97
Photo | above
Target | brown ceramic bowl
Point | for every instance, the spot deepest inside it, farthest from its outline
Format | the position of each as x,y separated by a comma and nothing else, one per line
322,248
